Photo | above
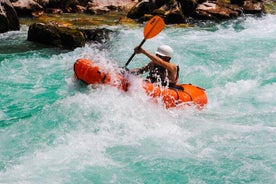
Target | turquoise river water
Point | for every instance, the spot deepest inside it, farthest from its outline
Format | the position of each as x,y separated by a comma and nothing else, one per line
54,129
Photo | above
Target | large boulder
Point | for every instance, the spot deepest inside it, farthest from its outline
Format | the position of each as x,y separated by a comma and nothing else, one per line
8,17
188,7
65,37
172,13
95,8
65,5
104,6
27,7
253,7
217,11
140,9
56,36
169,10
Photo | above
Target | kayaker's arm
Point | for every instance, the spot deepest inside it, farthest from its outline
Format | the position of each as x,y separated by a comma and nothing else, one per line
172,68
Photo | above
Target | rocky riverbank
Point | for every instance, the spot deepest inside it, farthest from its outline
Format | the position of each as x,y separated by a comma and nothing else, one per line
45,14
174,11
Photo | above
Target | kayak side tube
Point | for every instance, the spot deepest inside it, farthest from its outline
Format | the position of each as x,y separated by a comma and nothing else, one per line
176,96
90,73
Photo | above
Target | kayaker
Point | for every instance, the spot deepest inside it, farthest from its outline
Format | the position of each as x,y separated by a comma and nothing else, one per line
160,69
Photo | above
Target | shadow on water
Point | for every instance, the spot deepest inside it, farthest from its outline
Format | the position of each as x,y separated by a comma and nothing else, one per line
15,42
12,46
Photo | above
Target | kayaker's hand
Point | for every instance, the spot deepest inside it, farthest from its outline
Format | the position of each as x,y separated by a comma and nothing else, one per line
138,50
125,69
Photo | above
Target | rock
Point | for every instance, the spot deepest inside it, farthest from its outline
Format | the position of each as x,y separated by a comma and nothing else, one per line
65,37
83,2
43,3
188,7
54,10
126,20
26,7
98,35
217,11
140,9
38,13
252,7
173,13
237,2
270,7
98,7
65,5
79,9
170,11
122,5
175,17
95,9
29,7
56,36
8,17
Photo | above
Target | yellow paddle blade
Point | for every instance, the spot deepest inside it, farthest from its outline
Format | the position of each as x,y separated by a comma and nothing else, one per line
153,27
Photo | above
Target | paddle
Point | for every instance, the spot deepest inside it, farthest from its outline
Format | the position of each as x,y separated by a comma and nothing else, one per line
153,27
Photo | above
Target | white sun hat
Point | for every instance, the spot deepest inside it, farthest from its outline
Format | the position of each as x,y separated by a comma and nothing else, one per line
164,50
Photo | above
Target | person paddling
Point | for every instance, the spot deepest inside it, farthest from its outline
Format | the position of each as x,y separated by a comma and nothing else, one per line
160,69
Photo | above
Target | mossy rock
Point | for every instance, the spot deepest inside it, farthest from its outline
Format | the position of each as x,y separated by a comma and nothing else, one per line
65,37
71,38
56,36
270,7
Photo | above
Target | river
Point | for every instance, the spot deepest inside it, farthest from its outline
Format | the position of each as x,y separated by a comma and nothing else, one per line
54,129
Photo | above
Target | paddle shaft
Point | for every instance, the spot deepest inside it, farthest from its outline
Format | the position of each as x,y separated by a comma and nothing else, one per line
153,27
134,53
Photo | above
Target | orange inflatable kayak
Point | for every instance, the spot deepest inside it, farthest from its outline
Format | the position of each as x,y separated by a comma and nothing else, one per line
91,73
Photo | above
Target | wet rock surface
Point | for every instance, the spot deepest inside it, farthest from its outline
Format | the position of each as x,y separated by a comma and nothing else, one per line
183,10
65,37
8,17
